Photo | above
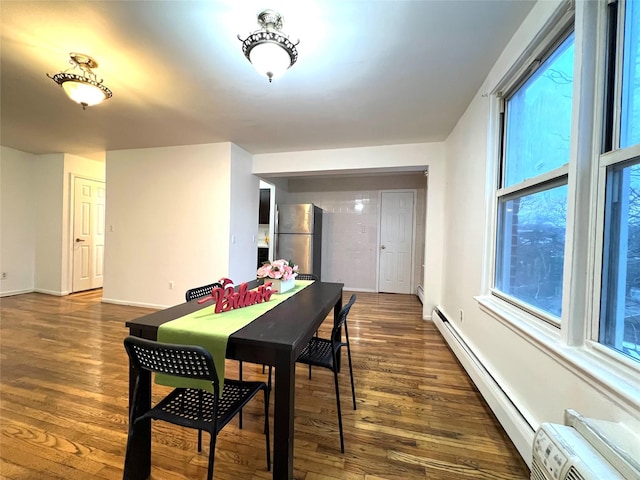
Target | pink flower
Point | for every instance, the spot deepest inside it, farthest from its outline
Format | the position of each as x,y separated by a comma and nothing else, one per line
264,271
278,269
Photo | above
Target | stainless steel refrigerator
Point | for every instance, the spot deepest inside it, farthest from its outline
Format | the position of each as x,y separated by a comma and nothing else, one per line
298,232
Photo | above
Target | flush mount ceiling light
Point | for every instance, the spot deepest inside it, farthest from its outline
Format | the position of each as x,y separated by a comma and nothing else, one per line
83,88
269,50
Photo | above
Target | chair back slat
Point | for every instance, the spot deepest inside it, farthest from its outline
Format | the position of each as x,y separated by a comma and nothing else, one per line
189,361
200,292
342,316
306,276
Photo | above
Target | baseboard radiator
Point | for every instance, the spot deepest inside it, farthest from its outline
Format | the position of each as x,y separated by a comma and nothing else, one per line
506,411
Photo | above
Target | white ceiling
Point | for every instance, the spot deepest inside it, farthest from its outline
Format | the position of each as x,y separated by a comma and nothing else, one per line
370,72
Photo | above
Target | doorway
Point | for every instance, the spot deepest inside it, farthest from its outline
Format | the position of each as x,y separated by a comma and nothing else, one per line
88,234
397,227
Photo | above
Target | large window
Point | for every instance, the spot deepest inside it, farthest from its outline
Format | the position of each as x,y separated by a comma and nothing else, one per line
619,325
568,196
566,259
532,191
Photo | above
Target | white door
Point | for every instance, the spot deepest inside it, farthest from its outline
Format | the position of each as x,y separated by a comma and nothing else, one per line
88,234
396,242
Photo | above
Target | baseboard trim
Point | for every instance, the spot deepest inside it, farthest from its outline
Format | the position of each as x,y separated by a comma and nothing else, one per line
134,304
56,293
364,290
515,425
11,293
420,293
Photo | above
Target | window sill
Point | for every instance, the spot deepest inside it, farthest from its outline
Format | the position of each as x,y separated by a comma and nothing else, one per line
616,379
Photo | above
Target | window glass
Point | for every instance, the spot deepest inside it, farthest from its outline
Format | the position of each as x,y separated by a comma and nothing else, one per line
532,216
539,119
630,118
620,315
531,248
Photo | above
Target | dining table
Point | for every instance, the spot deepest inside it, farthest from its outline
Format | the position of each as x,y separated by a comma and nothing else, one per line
275,338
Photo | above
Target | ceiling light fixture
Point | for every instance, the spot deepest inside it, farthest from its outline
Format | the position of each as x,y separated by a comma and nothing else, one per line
84,88
269,50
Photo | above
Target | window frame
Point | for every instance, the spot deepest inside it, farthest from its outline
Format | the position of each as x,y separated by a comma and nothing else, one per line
558,33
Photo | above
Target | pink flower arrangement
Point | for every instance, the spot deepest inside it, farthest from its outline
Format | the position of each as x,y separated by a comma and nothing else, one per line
278,269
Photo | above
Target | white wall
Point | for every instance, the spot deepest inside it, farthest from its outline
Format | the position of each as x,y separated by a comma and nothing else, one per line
18,200
350,236
364,160
348,160
169,220
37,212
541,384
48,178
245,200
279,194
434,234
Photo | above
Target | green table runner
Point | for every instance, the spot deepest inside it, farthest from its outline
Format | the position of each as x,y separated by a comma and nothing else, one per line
211,330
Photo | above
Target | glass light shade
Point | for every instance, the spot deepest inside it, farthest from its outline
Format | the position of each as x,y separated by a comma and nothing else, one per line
270,59
83,93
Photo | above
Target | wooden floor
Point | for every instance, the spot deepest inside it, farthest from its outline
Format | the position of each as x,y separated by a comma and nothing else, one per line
63,403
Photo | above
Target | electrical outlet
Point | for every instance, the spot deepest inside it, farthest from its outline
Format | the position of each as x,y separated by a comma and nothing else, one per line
170,284
4,275
461,315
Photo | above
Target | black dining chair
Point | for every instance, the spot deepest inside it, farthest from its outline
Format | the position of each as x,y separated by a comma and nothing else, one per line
324,352
189,407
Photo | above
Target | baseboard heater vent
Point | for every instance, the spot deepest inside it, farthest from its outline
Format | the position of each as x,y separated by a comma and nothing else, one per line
468,352
509,415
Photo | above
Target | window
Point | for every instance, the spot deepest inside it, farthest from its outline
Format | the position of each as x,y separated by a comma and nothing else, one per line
619,325
630,118
532,191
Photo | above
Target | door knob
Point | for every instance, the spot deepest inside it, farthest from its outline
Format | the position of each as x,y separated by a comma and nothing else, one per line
78,240
383,247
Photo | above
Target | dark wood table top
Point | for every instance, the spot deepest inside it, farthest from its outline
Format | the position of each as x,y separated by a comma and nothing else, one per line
277,329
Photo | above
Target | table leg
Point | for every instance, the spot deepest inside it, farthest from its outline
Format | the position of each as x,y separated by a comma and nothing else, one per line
283,417
137,462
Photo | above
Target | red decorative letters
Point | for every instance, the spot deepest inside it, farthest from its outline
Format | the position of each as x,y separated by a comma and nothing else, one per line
227,298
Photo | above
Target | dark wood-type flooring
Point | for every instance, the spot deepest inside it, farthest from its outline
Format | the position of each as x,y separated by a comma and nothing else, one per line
64,400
